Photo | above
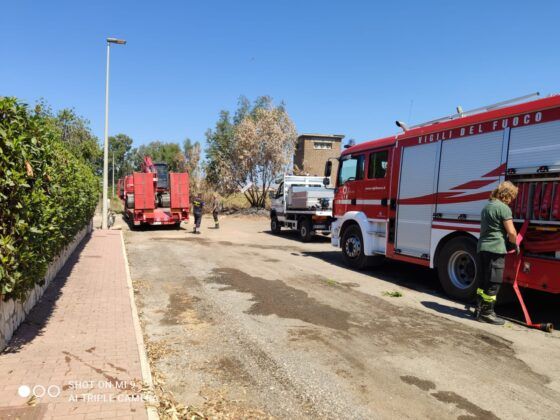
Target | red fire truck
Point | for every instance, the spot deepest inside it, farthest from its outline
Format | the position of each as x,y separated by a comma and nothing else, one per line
155,196
417,196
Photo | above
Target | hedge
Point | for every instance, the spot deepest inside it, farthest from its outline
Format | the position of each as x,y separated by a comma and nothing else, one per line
47,195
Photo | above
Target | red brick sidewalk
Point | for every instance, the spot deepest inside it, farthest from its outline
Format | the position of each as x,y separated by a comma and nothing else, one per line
79,340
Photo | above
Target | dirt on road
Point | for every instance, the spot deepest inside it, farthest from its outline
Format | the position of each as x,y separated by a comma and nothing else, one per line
252,325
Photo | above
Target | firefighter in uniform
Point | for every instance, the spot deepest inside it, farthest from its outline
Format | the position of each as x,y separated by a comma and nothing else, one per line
198,205
216,207
497,235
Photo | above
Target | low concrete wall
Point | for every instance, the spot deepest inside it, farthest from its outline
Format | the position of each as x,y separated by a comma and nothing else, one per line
13,312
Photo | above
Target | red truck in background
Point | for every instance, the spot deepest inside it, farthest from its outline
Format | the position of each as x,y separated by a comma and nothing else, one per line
417,196
155,196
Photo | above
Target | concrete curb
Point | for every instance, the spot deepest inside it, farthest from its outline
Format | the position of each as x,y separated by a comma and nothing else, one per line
144,363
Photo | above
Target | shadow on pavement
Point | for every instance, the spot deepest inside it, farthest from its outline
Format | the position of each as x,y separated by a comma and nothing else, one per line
448,310
543,307
405,275
293,235
41,313
148,228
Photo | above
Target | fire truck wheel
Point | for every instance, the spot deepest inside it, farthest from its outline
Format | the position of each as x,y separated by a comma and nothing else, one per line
130,201
353,248
305,229
458,270
275,225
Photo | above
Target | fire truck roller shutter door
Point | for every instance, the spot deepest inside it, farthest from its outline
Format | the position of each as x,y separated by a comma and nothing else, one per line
556,203
545,204
534,146
468,174
414,211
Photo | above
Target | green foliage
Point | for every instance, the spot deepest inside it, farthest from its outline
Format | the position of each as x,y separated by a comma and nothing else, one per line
75,133
159,151
192,163
220,144
47,194
392,293
249,150
119,149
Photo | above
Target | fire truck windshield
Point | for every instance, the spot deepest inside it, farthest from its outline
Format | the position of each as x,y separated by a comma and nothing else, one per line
351,169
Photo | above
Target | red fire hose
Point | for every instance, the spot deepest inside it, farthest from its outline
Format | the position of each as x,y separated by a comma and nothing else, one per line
532,245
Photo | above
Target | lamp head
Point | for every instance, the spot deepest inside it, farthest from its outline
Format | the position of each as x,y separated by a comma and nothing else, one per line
116,41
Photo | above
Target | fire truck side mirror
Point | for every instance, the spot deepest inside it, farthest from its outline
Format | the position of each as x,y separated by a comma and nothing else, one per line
328,169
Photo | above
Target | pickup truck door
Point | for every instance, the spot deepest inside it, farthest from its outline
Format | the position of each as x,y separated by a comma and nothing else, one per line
277,202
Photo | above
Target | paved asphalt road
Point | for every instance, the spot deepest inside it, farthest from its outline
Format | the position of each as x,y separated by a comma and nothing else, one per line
248,324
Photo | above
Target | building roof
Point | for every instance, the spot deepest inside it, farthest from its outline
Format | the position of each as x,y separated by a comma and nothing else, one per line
325,136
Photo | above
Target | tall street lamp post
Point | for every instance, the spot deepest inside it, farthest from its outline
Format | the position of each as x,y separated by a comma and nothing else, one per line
106,142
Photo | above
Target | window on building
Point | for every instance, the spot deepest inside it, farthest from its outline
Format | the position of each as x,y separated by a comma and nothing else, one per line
378,164
322,145
351,169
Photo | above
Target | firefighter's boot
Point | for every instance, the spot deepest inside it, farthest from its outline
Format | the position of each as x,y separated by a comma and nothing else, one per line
488,315
478,308
217,225
484,311
194,230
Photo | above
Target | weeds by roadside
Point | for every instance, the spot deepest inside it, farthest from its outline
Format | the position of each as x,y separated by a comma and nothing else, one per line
392,293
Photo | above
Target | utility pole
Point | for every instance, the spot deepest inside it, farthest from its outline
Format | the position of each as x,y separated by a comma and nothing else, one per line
113,173
106,142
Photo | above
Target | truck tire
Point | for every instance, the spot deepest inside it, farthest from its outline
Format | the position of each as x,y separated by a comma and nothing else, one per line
130,201
458,268
165,201
353,248
275,225
305,229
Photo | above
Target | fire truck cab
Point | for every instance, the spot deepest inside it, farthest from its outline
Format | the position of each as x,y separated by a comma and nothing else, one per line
417,196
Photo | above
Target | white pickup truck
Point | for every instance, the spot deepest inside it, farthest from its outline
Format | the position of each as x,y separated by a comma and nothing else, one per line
302,203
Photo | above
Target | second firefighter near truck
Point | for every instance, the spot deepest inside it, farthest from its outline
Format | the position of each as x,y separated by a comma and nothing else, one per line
198,205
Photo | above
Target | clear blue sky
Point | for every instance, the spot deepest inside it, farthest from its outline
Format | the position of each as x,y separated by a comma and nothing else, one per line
349,67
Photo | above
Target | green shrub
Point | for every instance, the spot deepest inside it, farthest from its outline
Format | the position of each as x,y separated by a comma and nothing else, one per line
46,196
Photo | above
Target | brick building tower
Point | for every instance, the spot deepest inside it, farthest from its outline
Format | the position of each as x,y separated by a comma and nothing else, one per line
313,150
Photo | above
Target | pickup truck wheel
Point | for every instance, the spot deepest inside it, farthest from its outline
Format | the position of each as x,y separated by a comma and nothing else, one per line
275,225
458,268
353,248
305,230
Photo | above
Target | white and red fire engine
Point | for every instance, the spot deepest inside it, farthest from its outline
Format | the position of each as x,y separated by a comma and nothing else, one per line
417,196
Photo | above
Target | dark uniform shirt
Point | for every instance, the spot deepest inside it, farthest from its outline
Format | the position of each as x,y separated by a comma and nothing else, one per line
198,204
493,235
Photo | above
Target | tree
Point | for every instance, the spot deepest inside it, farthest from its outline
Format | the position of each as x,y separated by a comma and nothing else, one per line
75,133
159,151
119,149
250,152
220,148
192,156
192,162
